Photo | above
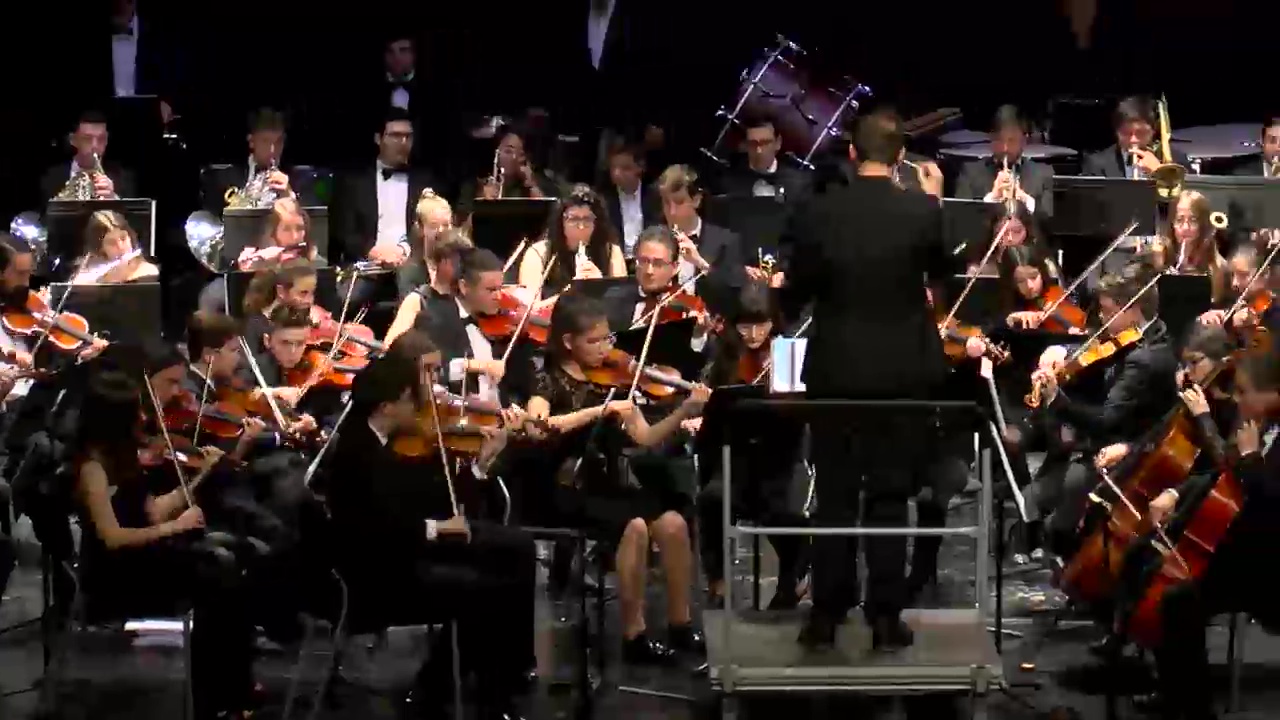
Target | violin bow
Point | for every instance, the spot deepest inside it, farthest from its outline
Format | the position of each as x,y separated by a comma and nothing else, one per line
528,310
644,350
1262,267
973,274
666,299
204,400
53,316
1169,547
1091,267
511,259
444,453
1142,330
262,383
168,442
768,364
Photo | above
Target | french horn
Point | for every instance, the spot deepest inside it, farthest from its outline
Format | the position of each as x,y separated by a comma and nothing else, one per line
204,234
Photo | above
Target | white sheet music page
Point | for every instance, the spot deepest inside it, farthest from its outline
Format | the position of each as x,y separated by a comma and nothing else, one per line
786,364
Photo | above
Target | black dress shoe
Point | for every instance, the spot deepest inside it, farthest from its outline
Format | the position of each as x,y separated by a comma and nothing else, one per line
686,638
818,632
640,650
890,633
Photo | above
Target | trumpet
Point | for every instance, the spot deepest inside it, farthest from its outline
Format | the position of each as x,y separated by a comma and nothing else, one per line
498,175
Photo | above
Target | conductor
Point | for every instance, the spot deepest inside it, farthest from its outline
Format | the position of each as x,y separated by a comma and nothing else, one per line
861,256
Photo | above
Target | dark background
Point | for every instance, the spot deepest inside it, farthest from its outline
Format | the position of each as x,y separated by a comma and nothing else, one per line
1209,58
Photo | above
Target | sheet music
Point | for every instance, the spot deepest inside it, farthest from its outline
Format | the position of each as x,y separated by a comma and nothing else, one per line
786,364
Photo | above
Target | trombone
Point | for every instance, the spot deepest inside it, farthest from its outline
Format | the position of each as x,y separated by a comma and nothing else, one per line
1169,176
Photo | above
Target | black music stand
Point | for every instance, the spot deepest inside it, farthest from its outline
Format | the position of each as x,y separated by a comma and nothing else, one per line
1183,298
671,346
327,294
500,225
983,306
66,221
599,287
125,312
1101,206
967,225
244,227
761,221
1249,202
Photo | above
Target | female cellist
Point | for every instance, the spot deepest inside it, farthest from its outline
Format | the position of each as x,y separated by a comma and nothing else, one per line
111,252
591,431
583,243
767,464
143,553
442,267
1246,554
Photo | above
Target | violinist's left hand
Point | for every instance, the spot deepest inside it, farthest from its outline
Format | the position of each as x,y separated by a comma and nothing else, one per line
1193,397
975,347
1246,318
691,425
703,323
698,397
303,425
210,457
1025,319
94,350
1248,438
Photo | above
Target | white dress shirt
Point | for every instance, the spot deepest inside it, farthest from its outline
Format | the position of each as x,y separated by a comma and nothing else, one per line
1030,202
481,349
687,270
768,187
632,211
598,30
124,60
393,199
400,94
23,386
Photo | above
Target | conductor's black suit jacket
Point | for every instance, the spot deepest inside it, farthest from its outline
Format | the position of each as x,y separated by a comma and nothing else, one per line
861,255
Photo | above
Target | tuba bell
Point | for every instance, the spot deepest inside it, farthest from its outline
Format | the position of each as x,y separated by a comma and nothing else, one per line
204,233
1169,176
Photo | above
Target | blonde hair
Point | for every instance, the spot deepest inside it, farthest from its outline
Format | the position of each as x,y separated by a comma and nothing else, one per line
1204,255
677,178
280,209
429,201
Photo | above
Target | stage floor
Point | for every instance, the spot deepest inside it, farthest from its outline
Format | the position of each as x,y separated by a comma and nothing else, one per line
117,681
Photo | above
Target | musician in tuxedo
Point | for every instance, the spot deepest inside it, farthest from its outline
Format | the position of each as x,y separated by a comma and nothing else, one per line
373,207
704,248
1267,164
1135,123
632,204
411,557
88,139
860,254
266,139
763,175
988,179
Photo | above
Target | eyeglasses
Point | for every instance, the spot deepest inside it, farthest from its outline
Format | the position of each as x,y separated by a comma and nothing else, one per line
579,220
653,263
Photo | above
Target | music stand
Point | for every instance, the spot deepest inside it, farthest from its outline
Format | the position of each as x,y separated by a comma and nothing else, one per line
1183,298
786,365
500,225
1249,202
244,228
1101,206
599,287
123,312
671,346
967,224
327,294
66,221
760,221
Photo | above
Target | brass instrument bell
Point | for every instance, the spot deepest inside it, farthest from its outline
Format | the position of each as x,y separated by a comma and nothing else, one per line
30,229
1169,176
204,234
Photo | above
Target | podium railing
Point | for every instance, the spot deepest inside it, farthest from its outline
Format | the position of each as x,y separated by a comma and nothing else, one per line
981,532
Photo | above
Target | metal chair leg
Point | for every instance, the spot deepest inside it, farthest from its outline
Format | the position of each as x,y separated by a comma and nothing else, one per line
188,679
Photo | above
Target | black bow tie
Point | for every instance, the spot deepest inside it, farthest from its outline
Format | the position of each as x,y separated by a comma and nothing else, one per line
470,320
388,172
693,236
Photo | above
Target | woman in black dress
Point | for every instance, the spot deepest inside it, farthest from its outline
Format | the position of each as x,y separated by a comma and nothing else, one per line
591,488
144,554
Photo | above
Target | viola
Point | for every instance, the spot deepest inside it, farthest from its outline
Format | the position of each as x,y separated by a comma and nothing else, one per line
619,369
66,330
955,336
1089,355
1065,317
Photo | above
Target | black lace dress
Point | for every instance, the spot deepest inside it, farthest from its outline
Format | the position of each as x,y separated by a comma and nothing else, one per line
599,496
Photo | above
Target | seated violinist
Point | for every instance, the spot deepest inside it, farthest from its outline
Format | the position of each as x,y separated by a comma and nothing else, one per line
213,344
111,253
1140,387
591,491
410,557
285,347
291,284
1250,290
580,243
442,259
1021,229
1245,554
22,330
1028,281
657,274
765,468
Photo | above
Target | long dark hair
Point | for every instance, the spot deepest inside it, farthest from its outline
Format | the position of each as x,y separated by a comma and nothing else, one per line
1012,258
573,314
756,304
108,426
599,246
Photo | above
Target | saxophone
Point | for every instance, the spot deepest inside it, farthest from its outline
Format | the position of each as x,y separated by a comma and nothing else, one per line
80,186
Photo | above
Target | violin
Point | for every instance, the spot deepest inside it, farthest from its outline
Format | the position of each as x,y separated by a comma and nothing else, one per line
317,368
955,335
680,306
359,341
66,330
752,365
461,424
1066,315
1091,354
511,309
619,370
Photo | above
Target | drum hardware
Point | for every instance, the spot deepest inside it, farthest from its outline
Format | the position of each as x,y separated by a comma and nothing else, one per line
832,128
731,116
